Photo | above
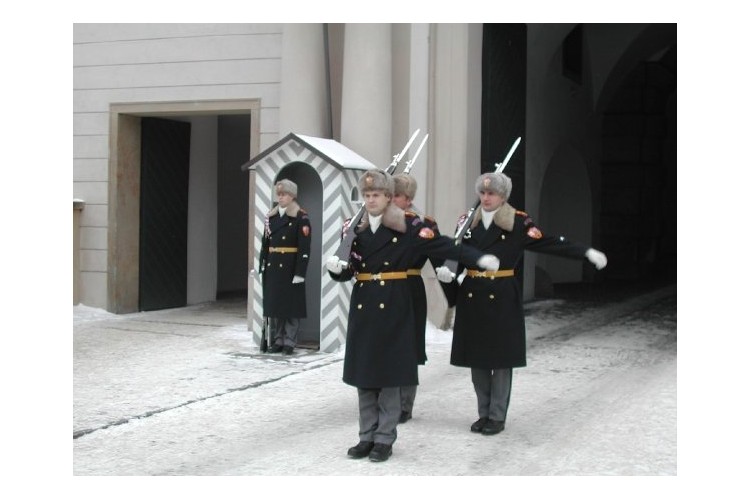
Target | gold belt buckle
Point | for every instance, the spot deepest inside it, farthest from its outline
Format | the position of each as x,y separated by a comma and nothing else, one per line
375,277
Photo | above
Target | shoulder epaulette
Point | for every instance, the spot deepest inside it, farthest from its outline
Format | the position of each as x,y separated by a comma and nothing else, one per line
521,213
431,219
410,213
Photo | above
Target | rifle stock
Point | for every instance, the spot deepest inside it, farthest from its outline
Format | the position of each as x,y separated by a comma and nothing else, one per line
264,336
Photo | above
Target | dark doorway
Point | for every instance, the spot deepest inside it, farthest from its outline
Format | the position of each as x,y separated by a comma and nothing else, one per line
165,162
504,105
639,173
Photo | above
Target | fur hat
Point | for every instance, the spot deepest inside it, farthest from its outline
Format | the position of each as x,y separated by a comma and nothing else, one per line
376,180
498,183
404,184
286,186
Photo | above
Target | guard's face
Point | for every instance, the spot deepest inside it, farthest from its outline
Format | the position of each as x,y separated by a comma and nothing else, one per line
401,201
284,199
375,202
490,200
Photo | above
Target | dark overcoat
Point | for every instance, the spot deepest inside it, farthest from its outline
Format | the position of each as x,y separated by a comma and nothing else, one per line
419,296
281,298
380,346
489,330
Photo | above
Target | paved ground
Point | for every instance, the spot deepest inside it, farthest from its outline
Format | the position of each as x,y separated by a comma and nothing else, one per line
185,392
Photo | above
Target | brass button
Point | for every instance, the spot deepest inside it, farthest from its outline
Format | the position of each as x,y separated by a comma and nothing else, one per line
359,306
492,296
364,265
382,283
502,237
385,263
470,295
394,239
382,306
281,265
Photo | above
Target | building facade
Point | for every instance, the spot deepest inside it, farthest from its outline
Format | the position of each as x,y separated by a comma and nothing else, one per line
595,105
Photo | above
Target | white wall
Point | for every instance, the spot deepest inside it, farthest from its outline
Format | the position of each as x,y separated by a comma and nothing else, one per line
150,63
202,211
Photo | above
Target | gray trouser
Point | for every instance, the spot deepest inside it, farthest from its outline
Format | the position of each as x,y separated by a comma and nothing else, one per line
408,393
284,331
379,410
493,391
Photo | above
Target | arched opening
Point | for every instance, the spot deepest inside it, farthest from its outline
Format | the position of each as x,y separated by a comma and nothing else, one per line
310,198
565,209
639,172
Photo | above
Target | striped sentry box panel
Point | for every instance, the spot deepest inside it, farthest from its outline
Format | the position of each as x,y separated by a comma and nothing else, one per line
339,184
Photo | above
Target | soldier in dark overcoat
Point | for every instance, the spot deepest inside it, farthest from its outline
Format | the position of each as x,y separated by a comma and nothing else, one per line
381,352
489,333
284,255
404,191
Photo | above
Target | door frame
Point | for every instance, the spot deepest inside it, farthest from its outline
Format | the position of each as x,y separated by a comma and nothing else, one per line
124,185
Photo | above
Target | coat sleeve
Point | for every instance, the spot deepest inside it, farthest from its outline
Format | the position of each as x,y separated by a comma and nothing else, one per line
304,236
430,222
536,241
436,246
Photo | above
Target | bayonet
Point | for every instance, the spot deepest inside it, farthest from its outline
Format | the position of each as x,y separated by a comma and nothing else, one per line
410,163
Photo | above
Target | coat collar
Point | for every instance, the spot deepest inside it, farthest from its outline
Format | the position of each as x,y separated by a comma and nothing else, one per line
504,218
393,218
291,210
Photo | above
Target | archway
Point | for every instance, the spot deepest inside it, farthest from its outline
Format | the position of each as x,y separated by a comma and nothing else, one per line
565,209
310,198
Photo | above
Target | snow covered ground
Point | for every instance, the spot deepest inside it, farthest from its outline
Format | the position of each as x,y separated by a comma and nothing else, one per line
185,393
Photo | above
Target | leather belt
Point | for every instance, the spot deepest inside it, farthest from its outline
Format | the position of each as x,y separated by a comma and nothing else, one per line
414,272
501,273
394,275
282,249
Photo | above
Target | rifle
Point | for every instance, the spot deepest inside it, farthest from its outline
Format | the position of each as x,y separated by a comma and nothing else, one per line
264,336
463,228
347,239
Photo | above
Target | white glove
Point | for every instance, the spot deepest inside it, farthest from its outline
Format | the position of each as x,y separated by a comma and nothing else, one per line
461,277
597,258
335,265
298,279
444,274
489,262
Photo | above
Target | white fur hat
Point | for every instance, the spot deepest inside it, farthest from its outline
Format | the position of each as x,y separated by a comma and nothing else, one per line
498,183
404,184
287,186
376,180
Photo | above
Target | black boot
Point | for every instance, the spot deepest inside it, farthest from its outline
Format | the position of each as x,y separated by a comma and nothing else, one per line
380,452
479,424
405,415
493,427
362,449
274,348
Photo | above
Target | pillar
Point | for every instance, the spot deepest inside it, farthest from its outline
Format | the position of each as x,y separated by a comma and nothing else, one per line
304,103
